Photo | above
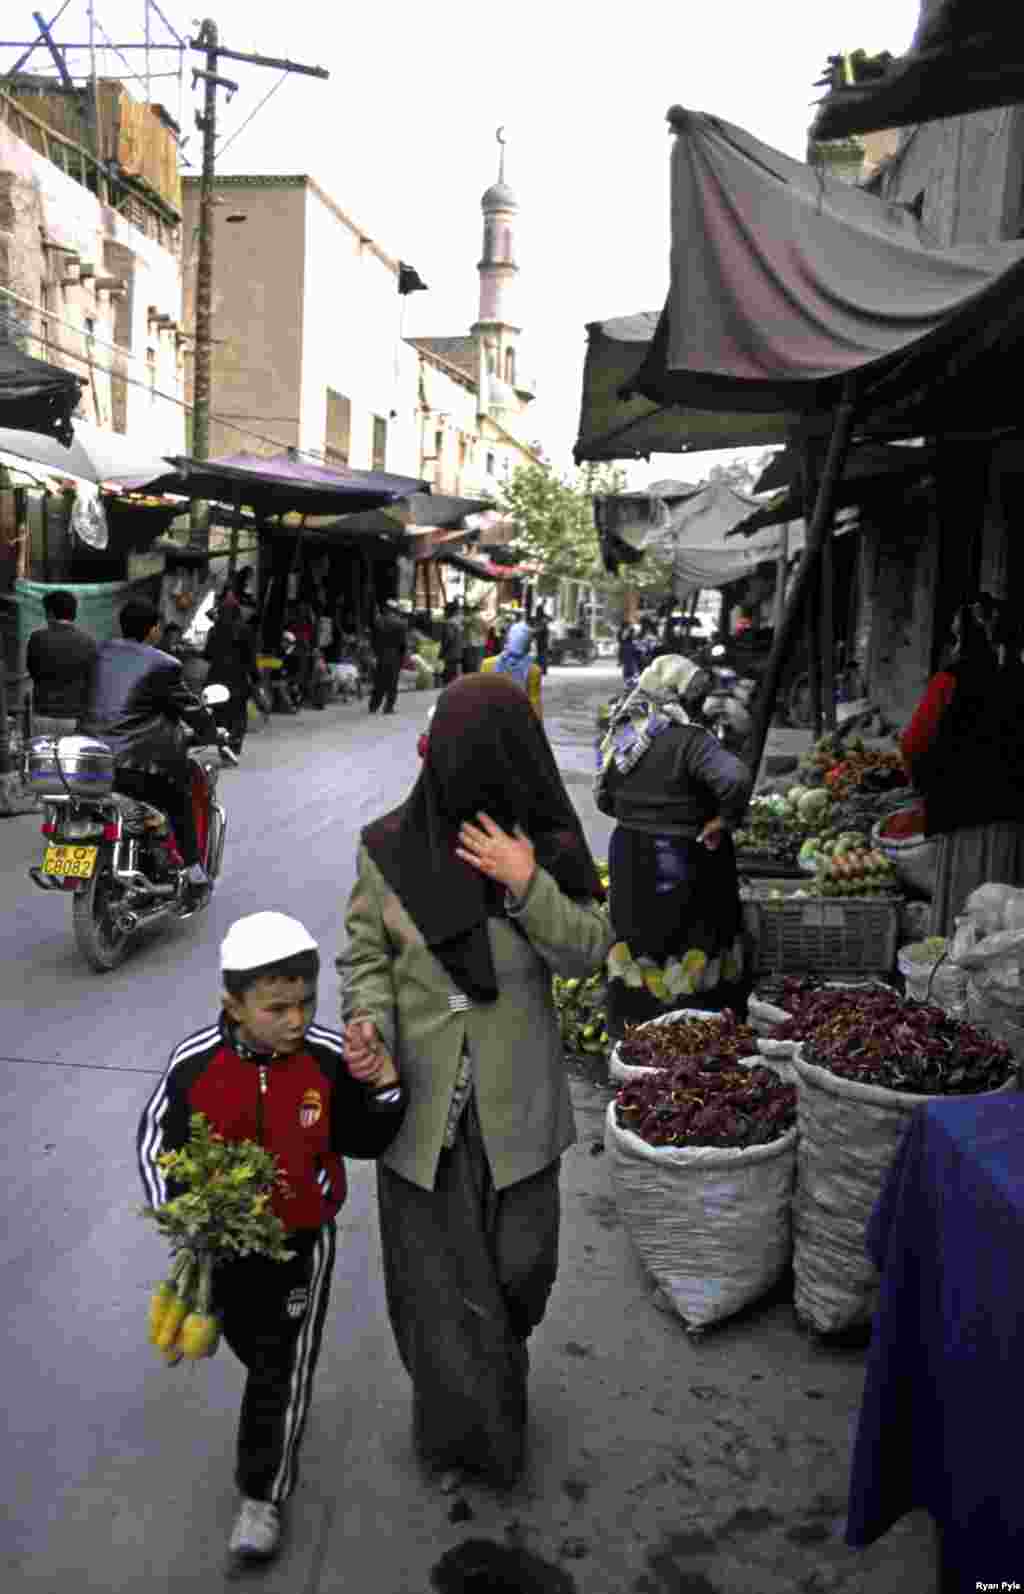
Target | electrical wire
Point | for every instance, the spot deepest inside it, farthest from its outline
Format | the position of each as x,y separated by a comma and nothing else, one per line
249,118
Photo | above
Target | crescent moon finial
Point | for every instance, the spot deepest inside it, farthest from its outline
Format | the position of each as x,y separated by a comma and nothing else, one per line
500,136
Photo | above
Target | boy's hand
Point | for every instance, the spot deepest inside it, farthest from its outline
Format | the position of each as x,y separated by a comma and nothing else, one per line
366,1057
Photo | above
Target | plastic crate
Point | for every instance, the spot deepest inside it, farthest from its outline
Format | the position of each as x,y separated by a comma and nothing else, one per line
844,937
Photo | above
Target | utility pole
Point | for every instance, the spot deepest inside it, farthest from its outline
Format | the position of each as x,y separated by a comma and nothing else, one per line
207,41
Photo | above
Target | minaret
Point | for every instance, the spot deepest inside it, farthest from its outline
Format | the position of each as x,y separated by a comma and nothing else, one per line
495,327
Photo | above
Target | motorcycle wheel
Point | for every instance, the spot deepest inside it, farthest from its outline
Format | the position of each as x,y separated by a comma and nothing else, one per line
100,942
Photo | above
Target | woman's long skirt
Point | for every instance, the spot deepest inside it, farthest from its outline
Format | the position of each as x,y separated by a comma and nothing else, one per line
967,859
675,910
468,1271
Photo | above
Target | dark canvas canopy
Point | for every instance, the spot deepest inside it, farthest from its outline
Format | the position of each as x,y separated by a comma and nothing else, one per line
287,484
36,397
968,55
784,281
616,427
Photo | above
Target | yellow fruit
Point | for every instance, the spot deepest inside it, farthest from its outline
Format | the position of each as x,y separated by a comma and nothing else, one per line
175,1315
159,1301
200,1335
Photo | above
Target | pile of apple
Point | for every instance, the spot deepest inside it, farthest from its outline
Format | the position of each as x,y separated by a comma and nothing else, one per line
850,867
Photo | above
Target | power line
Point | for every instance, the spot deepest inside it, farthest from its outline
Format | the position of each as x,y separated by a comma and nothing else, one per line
249,118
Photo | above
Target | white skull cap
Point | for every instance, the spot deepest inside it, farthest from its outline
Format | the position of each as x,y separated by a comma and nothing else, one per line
262,938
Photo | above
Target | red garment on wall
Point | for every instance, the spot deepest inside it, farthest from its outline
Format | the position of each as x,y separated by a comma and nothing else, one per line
920,733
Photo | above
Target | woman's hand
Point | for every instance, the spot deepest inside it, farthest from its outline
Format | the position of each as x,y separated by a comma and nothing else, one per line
508,859
711,836
366,1057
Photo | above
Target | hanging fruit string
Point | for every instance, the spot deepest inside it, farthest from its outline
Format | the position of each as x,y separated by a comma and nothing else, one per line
220,1210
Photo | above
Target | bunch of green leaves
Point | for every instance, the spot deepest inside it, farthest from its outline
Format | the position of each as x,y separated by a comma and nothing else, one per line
221,1205
581,1012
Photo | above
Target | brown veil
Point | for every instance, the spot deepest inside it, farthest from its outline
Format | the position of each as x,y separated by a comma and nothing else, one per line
486,753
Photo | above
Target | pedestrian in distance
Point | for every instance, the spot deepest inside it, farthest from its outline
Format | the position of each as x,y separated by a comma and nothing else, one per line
390,641
264,1071
60,660
469,897
451,644
231,654
542,637
514,661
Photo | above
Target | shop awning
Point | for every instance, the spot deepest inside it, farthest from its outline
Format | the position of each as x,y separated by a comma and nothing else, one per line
967,56
784,281
613,426
869,466
423,512
485,569
692,532
36,397
87,453
287,484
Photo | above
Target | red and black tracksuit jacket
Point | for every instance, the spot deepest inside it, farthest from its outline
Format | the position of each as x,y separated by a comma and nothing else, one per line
308,1110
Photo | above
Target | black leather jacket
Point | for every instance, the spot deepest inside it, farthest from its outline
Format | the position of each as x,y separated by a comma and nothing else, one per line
137,702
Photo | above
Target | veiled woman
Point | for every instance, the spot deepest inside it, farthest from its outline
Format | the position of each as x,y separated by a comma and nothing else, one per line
469,897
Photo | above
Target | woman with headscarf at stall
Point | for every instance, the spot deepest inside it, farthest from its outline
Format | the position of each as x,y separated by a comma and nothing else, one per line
514,661
963,749
469,897
676,794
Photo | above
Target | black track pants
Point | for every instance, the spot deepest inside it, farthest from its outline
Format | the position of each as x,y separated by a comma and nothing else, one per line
273,1319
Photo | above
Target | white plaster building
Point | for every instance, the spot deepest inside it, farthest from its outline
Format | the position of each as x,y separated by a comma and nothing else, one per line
307,351
94,281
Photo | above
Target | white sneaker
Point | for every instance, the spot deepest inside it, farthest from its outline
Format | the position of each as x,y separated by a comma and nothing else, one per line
257,1530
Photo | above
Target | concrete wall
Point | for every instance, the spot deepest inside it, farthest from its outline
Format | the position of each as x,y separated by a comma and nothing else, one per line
900,573
257,313
469,442
38,200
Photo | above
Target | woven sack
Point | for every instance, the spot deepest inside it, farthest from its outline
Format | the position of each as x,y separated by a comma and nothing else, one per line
623,1073
848,1138
711,1224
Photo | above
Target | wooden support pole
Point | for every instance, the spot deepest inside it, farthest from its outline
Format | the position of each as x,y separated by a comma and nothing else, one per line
812,601
838,448
827,628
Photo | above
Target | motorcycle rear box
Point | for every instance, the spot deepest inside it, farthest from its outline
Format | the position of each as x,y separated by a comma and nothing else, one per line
75,766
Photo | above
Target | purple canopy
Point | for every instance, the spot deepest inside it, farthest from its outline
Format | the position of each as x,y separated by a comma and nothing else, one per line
286,483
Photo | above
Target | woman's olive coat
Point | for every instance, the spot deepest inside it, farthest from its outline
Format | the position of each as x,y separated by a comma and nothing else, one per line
390,976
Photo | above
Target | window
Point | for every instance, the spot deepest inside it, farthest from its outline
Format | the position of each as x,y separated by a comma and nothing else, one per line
337,439
380,443
510,367
438,444
490,464
151,374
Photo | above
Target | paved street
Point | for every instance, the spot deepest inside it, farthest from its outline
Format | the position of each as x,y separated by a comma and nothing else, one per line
658,1465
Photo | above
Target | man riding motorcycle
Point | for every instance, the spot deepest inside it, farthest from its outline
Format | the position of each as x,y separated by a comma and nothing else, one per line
136,704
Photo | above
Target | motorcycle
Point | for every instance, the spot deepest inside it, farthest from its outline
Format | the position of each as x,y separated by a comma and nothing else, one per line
115,854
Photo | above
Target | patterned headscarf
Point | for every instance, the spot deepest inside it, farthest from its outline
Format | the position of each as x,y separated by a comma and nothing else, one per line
654,704
515,659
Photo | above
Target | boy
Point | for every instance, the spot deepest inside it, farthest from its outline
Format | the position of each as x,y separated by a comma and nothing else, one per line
264,1071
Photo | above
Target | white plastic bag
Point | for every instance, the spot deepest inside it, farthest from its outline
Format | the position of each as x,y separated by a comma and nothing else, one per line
848,1137
711,1224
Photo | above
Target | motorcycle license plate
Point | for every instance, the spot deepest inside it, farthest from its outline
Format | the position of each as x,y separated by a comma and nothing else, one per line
75,863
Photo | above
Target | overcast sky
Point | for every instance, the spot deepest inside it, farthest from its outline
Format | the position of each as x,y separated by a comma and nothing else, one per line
402,136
